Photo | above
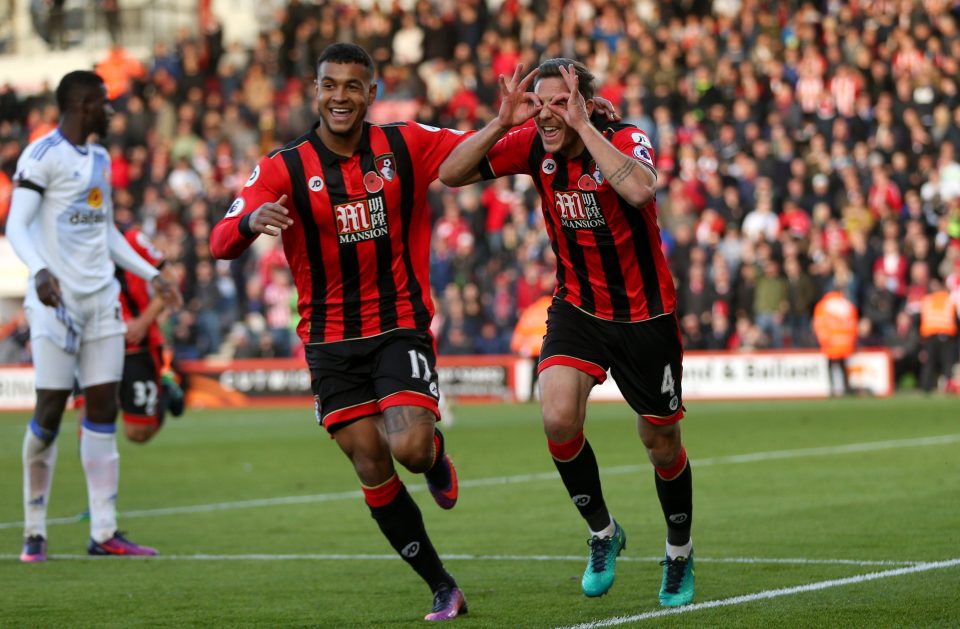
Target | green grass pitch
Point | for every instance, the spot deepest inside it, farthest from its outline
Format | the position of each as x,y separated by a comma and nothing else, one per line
807,514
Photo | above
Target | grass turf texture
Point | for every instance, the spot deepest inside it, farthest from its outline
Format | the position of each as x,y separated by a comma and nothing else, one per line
886,503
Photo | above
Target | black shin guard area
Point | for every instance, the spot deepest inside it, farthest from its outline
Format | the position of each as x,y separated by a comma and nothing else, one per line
402,525
676,500
581,477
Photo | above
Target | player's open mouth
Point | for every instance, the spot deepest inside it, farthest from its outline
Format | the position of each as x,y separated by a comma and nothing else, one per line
339,113
550,133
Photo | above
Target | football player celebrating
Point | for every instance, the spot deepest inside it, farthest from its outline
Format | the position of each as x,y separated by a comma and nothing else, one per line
614,306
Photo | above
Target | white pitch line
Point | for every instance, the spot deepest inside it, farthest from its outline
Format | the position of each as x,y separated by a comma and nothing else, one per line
468,557
755,457
768,594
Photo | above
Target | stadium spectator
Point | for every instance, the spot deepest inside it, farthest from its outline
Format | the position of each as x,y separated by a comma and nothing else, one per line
938,337
597,177
904,343
71,304
366,322
835,323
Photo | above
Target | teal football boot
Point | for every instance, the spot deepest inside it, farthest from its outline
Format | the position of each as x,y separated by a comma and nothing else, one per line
676,588
599,575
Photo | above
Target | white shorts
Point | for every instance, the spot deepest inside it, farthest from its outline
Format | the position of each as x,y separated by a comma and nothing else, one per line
78,339
97,362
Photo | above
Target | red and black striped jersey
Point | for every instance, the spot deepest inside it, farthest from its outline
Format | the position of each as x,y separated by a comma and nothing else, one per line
135,294
609,258
359,246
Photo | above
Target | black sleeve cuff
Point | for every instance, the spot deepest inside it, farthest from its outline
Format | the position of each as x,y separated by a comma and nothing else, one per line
650,168
244,227
29,185
486,171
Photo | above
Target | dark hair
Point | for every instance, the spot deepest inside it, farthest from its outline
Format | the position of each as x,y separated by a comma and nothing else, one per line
551,68
73,84
346,53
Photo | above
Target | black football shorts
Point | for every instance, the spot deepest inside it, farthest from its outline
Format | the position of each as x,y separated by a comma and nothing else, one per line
140,386
362,377
644,357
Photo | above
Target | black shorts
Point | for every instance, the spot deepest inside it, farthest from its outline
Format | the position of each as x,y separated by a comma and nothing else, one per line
645,358
140,386
362,377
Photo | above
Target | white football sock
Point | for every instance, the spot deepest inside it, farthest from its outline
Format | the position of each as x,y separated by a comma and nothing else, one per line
101,464
607,532
39,459
679,551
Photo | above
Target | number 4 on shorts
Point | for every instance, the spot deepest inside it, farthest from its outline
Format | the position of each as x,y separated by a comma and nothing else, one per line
666,386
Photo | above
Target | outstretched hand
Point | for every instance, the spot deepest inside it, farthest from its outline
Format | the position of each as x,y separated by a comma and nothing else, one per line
170,293
271,218
573,110
517,105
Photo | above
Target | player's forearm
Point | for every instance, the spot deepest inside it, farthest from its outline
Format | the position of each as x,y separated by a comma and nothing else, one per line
462,165
153,310
23,210
127,257
227,239
631,179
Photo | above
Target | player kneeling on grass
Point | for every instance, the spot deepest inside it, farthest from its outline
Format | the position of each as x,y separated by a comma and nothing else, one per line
614,305
149,387
61,225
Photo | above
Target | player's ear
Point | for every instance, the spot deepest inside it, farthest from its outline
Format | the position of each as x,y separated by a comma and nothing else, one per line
590,106
372,93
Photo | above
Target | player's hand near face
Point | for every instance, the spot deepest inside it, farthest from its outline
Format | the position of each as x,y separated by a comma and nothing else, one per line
271,218
572,109
48,288
605,108
517,104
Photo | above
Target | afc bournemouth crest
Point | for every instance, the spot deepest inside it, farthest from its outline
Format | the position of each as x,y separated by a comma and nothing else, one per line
386,165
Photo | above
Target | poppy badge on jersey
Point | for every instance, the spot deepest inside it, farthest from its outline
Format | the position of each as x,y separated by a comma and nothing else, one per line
372,182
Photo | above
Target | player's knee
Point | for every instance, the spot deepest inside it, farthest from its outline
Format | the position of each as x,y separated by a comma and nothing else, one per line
139,433
560,421
104,412
372,471
663,443
663,450
413,453
664,456
49,410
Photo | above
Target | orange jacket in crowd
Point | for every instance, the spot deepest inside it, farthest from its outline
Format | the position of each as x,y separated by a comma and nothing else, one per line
118,70
531,328
938,315
835,324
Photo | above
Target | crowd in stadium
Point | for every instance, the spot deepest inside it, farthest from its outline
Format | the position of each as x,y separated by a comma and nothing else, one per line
801,146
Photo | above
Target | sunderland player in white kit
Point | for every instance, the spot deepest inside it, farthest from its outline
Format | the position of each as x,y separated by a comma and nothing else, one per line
61,225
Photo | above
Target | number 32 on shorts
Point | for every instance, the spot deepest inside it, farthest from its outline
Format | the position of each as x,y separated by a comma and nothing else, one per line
667,386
